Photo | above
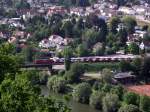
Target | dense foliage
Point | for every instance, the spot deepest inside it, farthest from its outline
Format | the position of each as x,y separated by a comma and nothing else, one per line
19,90
57,84
96,99
82,92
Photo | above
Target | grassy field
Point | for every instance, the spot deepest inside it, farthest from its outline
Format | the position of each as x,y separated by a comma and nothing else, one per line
96,67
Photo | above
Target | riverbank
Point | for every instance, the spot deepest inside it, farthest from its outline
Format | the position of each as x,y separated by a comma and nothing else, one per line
75,106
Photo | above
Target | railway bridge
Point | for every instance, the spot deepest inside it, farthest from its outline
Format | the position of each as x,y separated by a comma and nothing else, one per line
50,62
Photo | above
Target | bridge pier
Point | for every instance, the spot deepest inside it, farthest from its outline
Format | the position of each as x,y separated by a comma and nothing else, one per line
50,68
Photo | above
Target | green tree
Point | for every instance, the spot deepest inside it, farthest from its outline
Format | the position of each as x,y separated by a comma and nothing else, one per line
113,24
67,56
68,28
82,50
111,39
110,51
110,103
75,72
22,5
19,95
96,99
57,84
133,48
131,98
130,24
7,49
29,53
41,32
8,65
90,36
146,37
97,85
145,69
106,88
136,65
9,62
119,90
125,66
145,104
122,37
129,108
82,92
99,49
106,75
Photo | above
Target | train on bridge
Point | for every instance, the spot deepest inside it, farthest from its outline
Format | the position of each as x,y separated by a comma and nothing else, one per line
90,59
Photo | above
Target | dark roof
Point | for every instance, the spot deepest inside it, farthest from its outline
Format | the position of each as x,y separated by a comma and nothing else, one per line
123,75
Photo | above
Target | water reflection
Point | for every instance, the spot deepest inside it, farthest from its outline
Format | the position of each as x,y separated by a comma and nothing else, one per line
75,106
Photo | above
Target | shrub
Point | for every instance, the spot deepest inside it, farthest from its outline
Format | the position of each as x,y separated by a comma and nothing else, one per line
73,75
57,84
96,99
61,72
106,75
97,85
131,98
43,78
119,90
110,103
145,104
125,66
82,92
106,87
129,108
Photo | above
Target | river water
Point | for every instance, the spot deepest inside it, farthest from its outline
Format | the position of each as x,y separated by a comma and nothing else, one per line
75,106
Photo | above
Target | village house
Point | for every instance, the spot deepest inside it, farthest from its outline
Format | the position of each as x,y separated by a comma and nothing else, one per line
12,40
79,11
56,10
54,41
127,10
125,78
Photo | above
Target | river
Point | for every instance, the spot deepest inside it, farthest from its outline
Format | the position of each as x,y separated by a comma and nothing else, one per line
75,106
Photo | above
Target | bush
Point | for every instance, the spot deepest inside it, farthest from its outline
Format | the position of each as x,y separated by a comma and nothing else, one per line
96,99
82,92
97,85
129,108
61,72
145,104
57,84
106,88
125,66
110,103
43,78
73,75
33,76
106,75
119,90
131,98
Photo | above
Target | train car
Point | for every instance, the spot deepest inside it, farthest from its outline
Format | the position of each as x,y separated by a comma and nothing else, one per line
43,61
